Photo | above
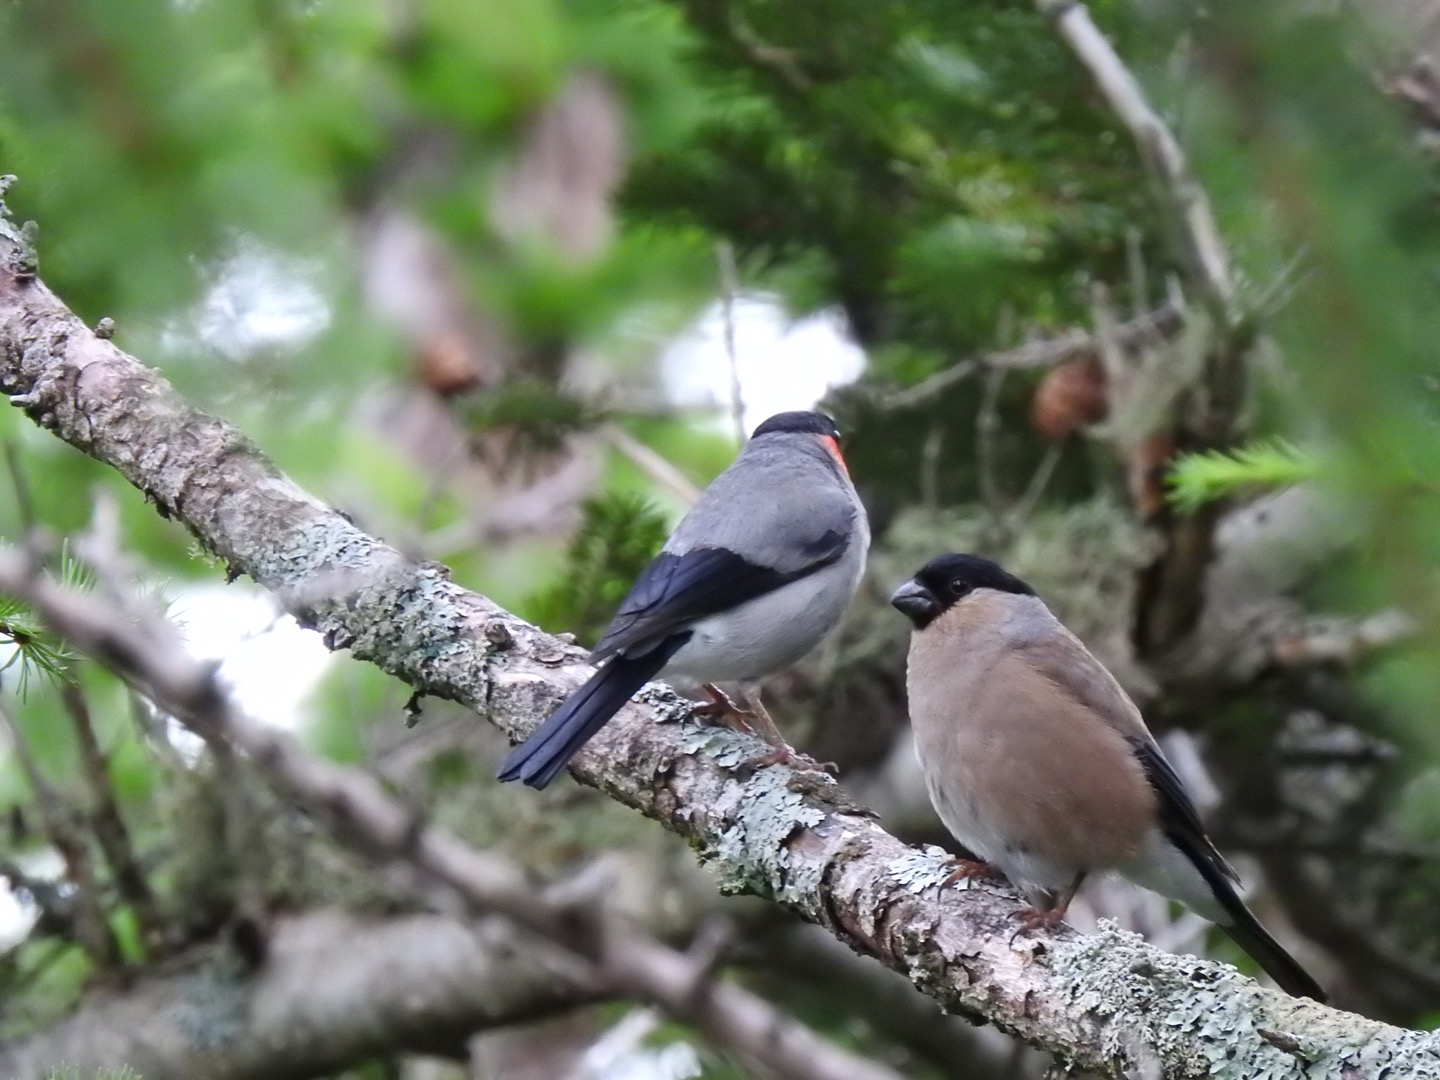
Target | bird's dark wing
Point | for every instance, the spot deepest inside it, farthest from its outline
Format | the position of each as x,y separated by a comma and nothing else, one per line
1179,820
678,589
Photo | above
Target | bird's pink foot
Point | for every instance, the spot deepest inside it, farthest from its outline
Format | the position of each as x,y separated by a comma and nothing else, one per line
971,870
785,754
1040,918
719,703
754,720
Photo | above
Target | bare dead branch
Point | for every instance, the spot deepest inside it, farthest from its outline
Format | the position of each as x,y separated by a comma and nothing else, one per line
1199,235
650,463
1342,641
763,1039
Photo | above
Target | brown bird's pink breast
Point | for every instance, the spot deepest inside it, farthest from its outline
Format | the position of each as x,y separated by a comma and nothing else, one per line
1026,764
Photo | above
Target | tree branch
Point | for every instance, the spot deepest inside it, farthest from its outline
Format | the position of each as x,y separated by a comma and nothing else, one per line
106,821
1150,328
334,989
1103,1002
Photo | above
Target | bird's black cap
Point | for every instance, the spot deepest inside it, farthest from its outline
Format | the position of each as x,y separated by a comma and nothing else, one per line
946,579
808,423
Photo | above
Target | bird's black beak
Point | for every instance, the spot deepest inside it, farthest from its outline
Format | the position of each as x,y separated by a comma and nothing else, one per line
915,602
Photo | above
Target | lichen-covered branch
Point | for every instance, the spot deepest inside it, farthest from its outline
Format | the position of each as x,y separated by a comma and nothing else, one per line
1104,1002
577,932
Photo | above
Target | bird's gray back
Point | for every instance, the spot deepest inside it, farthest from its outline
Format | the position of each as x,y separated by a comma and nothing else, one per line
780,500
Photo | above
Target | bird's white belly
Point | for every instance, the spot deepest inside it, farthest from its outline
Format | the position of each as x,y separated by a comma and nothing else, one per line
1163,868
770,632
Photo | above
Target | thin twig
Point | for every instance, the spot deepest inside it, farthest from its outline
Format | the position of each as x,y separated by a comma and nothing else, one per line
930,468
24,505
729,292
1033,490
1137,272
57,819
1151,328
106,820
1199,235
987,426
650,463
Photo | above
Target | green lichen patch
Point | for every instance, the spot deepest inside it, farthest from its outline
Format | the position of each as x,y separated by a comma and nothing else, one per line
1204,1019
751,851
726,748
920,869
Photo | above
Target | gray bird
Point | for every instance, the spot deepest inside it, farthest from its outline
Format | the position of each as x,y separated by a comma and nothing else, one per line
753,577
1038,762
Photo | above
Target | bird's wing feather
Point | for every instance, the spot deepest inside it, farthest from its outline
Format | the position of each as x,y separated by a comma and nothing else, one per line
1073,668
676,590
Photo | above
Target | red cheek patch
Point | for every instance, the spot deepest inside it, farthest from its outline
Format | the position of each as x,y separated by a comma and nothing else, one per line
833,445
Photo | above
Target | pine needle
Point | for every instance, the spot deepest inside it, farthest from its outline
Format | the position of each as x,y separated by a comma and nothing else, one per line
1201,478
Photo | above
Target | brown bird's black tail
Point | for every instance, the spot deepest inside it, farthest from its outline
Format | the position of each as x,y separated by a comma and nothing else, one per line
1183,828
1245,930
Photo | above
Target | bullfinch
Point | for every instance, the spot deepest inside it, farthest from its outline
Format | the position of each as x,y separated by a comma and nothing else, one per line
1038,762
754,576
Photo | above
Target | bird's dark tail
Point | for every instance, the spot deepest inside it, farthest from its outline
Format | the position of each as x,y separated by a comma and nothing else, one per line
539,759
1245,930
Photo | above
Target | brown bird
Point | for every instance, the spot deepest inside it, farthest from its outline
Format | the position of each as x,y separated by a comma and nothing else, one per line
1039,763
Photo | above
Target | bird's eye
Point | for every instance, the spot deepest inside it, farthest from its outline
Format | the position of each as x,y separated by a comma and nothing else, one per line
959,586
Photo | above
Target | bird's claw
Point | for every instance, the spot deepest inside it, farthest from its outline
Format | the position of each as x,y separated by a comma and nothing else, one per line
788,755
971,870
723,707
756,721
1039,918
